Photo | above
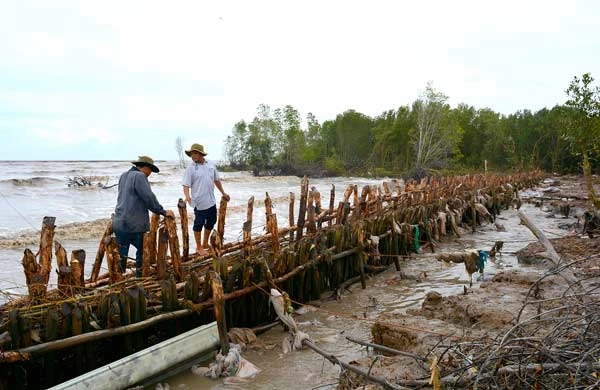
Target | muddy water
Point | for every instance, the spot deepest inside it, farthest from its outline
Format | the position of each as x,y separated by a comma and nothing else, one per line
329,321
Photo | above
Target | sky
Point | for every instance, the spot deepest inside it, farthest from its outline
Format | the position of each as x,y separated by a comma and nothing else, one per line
112,80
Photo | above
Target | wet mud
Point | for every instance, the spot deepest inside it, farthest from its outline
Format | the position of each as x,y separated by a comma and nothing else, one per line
426,303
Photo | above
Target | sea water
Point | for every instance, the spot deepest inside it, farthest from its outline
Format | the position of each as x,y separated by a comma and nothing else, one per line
31,190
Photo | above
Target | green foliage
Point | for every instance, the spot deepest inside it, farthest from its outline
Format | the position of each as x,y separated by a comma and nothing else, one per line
583,125
334,166
584,112
436,135
425,136
353,138
391,148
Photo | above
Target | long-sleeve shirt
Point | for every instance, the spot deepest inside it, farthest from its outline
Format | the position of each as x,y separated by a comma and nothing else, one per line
134,200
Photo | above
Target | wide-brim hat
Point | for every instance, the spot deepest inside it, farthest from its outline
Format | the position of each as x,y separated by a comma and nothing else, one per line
198,148
146,161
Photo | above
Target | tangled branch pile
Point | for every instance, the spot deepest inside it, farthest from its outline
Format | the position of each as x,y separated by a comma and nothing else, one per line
550,340
87,181
557,348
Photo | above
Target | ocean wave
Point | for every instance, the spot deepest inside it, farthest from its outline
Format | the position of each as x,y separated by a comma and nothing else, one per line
31,181
261,179
72,231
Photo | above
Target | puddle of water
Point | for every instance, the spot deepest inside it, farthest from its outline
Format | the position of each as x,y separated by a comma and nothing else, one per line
330,322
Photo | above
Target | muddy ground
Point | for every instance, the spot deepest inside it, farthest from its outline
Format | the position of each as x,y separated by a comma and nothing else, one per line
462,331
428,310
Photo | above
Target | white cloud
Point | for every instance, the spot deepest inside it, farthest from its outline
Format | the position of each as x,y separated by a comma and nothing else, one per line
149,71
61,136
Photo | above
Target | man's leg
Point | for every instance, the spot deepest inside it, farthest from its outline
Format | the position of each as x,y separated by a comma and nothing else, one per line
210,216
137,240
198,239
205,239
198,224
123,241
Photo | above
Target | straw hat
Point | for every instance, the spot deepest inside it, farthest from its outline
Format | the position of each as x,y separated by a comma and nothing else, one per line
146,161
198,148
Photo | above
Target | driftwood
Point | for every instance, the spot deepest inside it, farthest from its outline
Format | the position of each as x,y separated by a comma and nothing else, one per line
333,359
552,254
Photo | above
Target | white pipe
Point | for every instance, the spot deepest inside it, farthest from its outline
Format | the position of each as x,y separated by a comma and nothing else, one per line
133,369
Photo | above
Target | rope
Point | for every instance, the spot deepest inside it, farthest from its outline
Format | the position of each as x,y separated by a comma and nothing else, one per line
483,256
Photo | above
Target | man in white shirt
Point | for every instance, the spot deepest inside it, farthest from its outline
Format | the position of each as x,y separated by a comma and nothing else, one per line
199,181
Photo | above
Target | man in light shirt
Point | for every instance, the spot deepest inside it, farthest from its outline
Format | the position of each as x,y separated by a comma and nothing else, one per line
199,182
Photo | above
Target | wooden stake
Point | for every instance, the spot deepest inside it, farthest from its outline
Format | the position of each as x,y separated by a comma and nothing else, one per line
161,253
153,232
247,229
77,268
331,203
302,208
100,253
272,225
310,208
149,245
65,280
291,214
113,259
46,247
174,247
219,308
221,218
185,235
33,276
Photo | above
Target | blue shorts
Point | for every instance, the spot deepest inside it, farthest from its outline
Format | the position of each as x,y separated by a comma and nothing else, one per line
205,218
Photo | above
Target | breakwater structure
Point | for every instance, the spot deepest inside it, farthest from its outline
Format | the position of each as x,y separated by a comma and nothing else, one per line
53,335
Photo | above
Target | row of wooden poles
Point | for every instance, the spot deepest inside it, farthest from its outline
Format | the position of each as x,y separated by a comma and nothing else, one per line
162,238
301,259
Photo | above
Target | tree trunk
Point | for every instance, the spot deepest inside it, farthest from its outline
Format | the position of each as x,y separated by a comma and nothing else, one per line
587,173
